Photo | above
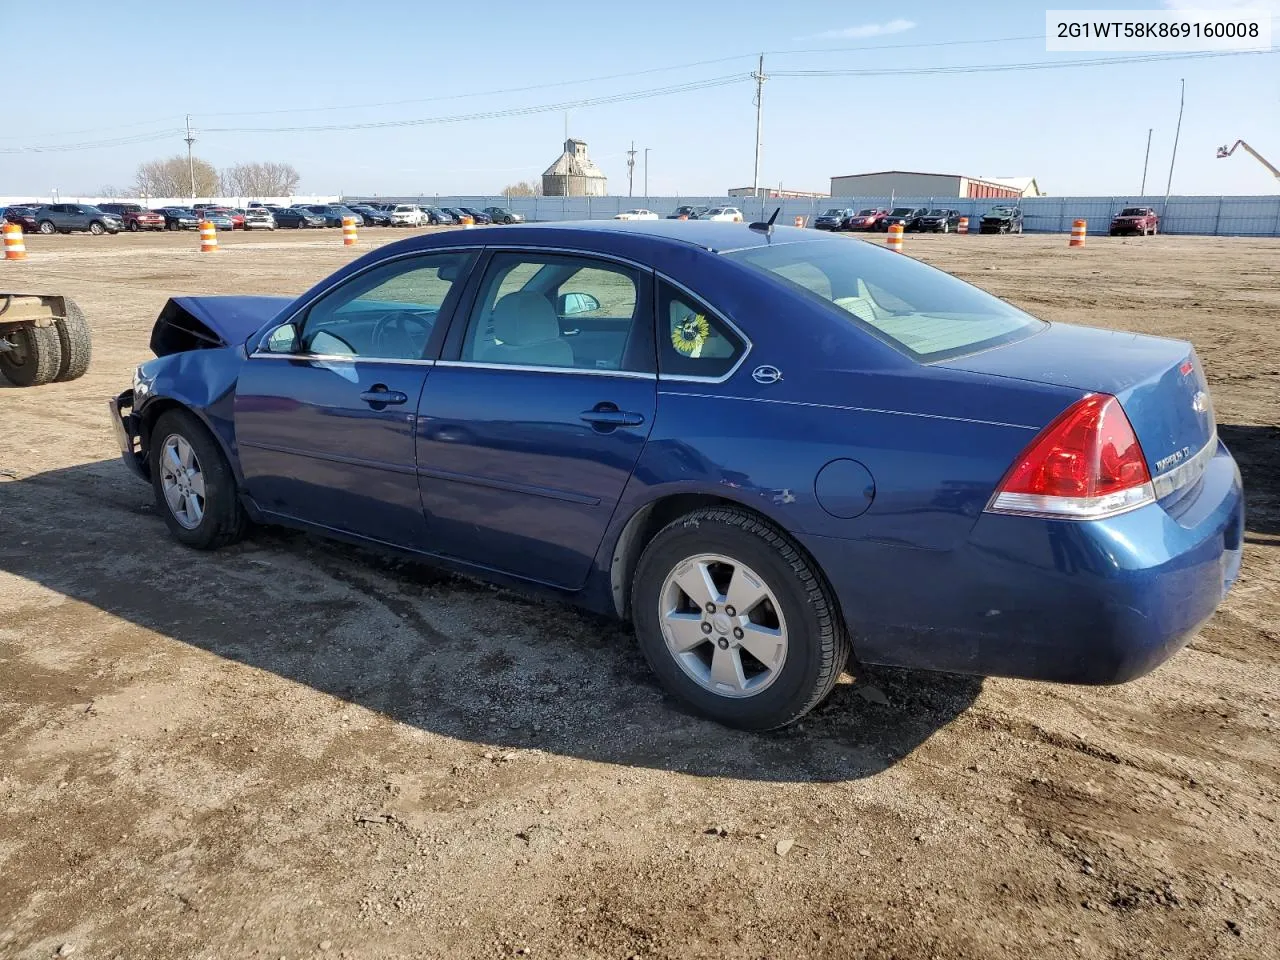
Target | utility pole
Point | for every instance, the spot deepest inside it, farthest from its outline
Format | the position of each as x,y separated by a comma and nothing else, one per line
1174,156
1143,191
646,175
631,166
759,78
191,164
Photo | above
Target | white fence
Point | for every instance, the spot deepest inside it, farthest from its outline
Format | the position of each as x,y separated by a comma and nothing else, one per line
1213,216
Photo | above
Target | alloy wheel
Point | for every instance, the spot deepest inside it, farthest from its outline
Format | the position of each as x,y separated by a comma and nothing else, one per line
723,625
182,481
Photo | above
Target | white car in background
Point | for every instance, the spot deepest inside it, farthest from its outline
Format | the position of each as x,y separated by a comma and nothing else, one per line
722,214
407,215
637,214
259,218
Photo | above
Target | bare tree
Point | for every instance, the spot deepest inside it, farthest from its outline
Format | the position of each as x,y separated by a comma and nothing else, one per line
261,179
110,190
525,188
172,178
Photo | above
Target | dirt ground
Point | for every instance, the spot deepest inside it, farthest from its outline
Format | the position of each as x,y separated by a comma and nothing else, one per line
294,749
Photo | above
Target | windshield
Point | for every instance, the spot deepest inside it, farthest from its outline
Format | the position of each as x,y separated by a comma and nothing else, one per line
902,211
869,212
833,212
937,213
1133,212
1000,212
925,313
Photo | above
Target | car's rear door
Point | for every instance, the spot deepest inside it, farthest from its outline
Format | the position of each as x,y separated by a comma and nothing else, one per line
325,416
532,421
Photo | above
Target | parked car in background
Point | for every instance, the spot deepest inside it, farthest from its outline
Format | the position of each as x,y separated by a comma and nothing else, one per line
134,216
868,218
220,219
1139,220
937,220
722,215
832,219
438,217
79,217
179,218
503,215
24,215
459,215
688,212
639,213
1003,218
407,215
372,216
940,480
259,218
903,216
297,217
477,216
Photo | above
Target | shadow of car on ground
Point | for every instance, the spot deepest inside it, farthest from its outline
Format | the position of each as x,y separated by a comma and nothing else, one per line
440,652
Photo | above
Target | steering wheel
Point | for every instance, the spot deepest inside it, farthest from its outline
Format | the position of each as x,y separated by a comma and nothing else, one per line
391,334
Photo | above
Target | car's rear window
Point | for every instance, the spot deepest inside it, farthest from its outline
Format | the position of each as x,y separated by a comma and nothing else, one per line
927,314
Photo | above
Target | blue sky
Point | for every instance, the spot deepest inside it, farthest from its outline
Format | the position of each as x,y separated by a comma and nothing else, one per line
1079,131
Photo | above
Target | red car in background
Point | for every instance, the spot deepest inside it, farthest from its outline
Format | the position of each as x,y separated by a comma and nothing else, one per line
134,217
868,219
1139,220
23,214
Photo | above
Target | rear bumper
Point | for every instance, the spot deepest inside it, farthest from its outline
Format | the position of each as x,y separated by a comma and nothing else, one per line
1093,602
127,429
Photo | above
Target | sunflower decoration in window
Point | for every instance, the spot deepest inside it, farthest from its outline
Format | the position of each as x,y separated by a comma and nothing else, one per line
689,332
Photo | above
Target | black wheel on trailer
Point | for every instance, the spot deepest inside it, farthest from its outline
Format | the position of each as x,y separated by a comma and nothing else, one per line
34,358
76,343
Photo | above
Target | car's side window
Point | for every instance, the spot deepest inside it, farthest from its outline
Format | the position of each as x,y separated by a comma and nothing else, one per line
551,310
692,340
389,312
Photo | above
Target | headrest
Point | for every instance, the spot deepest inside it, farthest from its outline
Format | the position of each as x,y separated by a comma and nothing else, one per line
525,317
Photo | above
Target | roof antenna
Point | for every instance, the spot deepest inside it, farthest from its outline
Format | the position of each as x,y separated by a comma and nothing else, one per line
766,227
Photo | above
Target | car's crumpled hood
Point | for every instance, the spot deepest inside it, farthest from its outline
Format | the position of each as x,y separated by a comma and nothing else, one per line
188,323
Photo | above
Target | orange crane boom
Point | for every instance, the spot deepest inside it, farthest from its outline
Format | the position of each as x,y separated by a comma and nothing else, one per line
1228,151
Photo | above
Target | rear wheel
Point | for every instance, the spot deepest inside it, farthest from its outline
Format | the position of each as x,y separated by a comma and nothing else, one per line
76,344
34,357
194,487
133,226
46,227
734,620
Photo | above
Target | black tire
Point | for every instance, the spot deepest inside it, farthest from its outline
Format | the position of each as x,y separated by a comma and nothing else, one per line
76,342
170,225
818,643
224,521
46,227
37,358
133,226
96,228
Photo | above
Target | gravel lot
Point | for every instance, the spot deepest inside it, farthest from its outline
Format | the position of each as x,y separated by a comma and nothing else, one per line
294,749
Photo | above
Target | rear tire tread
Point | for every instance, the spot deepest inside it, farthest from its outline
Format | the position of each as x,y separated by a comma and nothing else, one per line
76,341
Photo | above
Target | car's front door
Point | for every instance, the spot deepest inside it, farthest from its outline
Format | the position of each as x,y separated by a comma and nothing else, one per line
530,425
325,407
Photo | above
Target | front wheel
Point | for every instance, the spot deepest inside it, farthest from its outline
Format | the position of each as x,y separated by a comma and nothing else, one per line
194,487
97,229
46,227
734,620
133,226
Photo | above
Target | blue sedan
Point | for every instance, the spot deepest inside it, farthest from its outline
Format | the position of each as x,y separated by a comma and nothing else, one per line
778,453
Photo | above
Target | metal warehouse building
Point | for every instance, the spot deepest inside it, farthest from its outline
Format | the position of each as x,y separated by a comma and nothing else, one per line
905,183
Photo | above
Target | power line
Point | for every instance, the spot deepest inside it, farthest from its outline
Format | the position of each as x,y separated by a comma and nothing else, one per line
1003,67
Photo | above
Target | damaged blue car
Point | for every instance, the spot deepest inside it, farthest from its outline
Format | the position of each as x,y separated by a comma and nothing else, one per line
779,453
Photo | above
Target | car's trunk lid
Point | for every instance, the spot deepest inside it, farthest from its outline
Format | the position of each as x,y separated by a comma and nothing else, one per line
1158,381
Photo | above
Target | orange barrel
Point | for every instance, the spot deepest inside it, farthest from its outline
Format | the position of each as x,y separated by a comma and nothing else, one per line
349,236
14,248
895,237
208,237
1077,234
963,225
799,221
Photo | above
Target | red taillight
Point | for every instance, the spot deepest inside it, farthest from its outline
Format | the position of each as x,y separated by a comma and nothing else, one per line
1086,464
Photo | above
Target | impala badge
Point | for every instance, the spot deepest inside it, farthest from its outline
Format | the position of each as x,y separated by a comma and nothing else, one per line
766,374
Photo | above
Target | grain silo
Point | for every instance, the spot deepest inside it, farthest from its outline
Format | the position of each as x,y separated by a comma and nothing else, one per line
573,175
